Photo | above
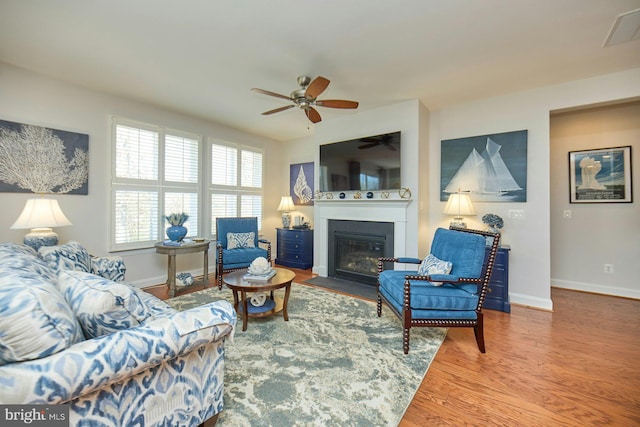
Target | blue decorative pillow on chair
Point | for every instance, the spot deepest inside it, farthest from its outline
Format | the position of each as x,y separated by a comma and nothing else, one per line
241,240
433,265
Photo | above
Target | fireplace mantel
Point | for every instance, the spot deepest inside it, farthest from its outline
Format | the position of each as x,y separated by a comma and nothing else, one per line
362,203
384,210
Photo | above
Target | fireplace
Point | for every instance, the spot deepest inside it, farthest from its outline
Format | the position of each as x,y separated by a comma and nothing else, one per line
355,246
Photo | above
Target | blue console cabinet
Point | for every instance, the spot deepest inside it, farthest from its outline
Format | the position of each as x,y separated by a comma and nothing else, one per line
498,295
295,248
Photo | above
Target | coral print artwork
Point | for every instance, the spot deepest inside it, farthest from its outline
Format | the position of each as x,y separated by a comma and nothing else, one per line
301,184
42,160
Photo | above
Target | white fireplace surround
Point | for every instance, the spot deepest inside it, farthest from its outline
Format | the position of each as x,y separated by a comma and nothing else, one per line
385,210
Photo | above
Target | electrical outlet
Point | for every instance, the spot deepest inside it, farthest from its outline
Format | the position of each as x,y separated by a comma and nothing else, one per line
516,213
608,268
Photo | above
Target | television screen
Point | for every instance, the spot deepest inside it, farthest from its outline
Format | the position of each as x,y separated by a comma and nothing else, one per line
364,164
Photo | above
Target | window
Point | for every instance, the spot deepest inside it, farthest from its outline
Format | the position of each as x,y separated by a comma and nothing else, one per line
155,172
236,182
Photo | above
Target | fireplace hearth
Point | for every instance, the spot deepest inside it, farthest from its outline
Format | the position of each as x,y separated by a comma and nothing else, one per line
355,246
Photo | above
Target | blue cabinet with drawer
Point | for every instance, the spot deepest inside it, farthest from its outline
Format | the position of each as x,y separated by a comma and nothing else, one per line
498,295
295,248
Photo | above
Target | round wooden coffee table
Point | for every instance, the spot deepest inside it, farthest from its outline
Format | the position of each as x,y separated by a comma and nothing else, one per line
237,283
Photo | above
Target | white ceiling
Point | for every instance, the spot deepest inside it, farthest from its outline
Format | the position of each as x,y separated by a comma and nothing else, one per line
201,57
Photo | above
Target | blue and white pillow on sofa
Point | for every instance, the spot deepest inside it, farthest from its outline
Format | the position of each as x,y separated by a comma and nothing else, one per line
101,305
35,319
433,265
241,240
70,256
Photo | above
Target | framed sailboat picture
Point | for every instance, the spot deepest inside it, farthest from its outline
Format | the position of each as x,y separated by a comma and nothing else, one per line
301,183
490,168
600,175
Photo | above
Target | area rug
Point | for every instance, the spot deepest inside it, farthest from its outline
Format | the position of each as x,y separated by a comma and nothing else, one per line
334,363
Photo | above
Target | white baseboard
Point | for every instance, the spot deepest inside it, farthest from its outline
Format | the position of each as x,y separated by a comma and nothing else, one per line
596,288
529,301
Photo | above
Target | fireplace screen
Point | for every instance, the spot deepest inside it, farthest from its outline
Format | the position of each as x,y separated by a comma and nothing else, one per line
358,255
355,246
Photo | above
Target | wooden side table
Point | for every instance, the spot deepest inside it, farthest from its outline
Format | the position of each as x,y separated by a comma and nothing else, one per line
188,248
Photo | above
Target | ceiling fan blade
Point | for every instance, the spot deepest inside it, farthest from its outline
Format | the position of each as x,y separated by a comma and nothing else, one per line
313,115
317,86
266,92
365,146
337,103
277,110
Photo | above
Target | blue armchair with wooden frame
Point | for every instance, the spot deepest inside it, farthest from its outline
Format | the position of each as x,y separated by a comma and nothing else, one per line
449,288
237,245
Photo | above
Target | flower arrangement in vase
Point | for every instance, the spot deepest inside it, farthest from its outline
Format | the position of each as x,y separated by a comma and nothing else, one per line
177,230
494,222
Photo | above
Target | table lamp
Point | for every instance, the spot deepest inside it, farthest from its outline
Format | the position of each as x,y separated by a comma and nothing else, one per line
40,215
459,205
286,205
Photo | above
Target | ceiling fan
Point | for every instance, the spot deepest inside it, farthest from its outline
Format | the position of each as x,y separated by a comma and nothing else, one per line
306,98
383,140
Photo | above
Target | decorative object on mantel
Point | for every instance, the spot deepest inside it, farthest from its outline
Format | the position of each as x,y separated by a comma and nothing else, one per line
319,194
459,204
369,194
494,222
286,206
40,215
329,196
343,195
177,231
404,193
384,195
357,195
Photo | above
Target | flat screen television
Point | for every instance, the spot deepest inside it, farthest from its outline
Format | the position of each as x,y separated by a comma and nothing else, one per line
364,164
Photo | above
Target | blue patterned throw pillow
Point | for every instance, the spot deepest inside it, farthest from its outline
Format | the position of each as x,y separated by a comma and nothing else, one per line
241,240
70,256
35,320
432,265
101,305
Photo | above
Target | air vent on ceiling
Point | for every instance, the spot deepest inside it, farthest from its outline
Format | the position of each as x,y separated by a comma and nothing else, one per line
625,28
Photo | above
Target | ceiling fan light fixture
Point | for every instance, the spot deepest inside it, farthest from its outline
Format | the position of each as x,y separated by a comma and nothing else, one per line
306,98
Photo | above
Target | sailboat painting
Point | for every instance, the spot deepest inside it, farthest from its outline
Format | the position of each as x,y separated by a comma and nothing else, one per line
301,183
490,168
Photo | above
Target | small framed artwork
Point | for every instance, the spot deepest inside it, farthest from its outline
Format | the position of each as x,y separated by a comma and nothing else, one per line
301,183
600,175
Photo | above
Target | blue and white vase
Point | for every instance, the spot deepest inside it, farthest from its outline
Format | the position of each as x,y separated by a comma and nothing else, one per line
176,233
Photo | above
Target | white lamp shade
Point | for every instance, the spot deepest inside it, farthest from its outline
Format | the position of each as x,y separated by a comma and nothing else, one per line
286,204
41,213
459,204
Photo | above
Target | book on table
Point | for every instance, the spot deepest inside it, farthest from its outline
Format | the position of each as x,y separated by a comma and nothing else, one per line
259,277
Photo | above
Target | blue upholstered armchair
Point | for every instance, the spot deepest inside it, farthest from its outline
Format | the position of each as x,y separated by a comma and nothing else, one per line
237,244
449,287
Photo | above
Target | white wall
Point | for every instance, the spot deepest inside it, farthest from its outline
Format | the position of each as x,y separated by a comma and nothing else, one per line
529,238
596,233
34,99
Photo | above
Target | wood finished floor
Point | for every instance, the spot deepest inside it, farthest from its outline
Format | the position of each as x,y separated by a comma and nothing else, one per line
577,366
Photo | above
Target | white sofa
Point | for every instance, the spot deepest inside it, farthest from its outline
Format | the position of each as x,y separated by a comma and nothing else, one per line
115,354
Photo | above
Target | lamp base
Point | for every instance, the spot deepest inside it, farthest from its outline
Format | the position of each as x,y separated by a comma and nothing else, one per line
458,222
286,220
40,237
